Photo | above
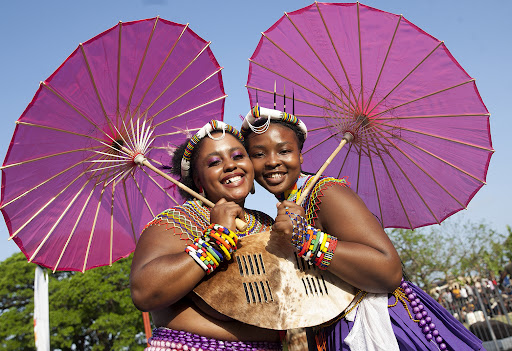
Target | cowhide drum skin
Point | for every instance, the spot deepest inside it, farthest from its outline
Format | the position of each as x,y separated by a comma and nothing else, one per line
269,286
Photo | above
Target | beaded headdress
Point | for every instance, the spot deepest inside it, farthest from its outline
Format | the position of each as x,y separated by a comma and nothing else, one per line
206,130
262,112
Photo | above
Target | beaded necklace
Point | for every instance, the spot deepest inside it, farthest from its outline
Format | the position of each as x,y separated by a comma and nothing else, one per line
310,203
193,217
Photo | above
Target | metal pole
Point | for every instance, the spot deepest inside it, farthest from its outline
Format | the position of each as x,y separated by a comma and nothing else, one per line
486,318
502,303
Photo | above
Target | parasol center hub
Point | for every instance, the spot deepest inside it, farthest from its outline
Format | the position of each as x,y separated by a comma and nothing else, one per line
362,121
139,159
348,136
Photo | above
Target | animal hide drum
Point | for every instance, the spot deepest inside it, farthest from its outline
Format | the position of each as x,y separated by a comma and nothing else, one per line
269,286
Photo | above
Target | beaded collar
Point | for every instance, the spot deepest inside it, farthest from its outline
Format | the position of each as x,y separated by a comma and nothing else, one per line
312,201
294,192
193,217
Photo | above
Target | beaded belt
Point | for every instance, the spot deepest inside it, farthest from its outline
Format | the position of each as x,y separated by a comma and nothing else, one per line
165,339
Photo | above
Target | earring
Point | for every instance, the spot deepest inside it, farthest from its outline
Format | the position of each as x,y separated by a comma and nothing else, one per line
253,189
201,191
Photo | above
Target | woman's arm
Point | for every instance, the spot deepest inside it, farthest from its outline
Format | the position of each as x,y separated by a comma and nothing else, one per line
162,272
364,256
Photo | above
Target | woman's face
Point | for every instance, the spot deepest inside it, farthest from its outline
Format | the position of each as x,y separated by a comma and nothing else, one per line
223,169
276,158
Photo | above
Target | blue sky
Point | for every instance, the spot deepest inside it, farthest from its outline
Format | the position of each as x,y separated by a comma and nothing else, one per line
38,35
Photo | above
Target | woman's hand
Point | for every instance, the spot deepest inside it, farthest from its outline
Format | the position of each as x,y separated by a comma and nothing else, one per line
225,213
283,224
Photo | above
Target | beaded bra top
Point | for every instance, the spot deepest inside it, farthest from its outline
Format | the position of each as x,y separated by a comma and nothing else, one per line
312,201
193,217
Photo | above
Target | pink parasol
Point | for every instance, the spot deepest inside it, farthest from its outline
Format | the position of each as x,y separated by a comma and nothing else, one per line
418,131
73,194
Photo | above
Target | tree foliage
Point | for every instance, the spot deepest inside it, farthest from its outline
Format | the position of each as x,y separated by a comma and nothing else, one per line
91,311
16,304
443,253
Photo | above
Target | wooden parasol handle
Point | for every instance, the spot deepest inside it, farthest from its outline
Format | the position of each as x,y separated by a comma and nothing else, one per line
240,224
347,137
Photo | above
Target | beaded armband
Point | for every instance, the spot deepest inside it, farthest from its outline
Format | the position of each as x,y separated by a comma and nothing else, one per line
315,246
216,245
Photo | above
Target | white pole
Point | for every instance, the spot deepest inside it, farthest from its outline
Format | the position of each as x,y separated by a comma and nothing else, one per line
41,311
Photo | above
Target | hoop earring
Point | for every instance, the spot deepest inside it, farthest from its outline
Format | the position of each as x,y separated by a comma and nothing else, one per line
201,191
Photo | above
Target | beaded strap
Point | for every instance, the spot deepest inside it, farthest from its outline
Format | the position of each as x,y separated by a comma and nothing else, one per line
428,328
315,246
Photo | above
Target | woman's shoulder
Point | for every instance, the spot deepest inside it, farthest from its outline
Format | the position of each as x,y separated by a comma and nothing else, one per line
189,218
170,214
327,185
323,181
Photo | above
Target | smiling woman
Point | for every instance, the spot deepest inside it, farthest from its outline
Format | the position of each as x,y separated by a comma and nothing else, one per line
279,161
333,230
185,243
227,171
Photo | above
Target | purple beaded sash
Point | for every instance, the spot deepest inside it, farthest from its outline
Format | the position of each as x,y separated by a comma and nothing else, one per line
165,339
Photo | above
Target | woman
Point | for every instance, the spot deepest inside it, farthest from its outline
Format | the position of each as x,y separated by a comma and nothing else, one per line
357,250
184,244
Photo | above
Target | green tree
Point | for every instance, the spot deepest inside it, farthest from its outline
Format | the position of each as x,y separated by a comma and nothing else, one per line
91,311
16,304
454,249
508,245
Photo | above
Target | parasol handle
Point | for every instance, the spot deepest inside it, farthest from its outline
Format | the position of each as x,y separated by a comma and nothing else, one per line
240,224
347,137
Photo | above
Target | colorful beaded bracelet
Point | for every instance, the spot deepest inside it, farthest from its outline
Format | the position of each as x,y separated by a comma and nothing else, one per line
216,245
315,246
193,253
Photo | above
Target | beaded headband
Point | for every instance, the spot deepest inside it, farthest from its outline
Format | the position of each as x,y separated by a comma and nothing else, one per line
206,130
257,112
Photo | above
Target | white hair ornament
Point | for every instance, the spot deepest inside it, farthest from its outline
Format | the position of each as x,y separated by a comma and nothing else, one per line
261,112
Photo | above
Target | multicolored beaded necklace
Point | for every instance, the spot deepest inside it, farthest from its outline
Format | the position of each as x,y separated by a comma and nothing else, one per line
310,203
193,217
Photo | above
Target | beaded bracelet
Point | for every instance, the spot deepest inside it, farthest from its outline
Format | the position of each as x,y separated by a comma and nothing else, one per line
216,245
216,255
205,257
315,246
323,249
227,231
223,238
221,243
326,261
213,257
193,253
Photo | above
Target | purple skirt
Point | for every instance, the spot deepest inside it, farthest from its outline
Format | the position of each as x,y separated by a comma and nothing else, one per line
408,333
